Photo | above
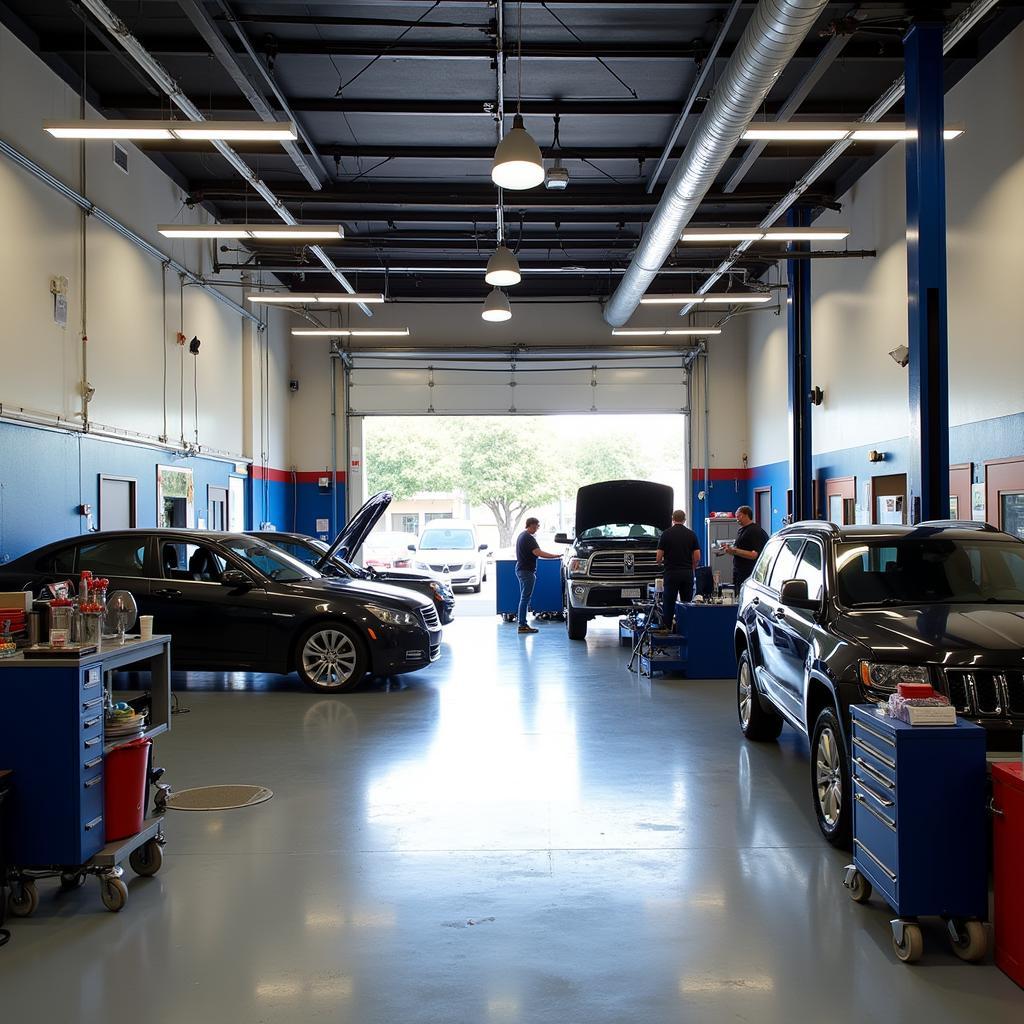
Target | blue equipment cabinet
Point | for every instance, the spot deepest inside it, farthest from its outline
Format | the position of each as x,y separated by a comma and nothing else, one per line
547,595
919,829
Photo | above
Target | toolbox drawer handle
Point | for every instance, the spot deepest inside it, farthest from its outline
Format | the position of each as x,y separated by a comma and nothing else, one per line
90,825
880,800
91,742
90,704
95,761
996,811
94,782
878,814
874,752
858,724
90,723
892,876
874,773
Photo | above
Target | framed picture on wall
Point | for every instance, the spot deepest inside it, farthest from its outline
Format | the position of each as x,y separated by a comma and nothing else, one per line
175,497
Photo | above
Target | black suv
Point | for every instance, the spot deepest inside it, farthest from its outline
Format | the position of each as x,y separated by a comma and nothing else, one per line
834,616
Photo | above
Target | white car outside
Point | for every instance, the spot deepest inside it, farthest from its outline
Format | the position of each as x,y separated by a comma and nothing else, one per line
387,549
452,546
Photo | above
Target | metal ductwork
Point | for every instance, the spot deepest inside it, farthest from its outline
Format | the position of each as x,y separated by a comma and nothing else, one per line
775,30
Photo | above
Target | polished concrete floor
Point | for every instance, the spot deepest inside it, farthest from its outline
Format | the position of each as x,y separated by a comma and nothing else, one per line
524,832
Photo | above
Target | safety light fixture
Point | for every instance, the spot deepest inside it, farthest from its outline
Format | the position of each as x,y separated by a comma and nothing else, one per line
857,131
655,332
350,332
305,298
706,235
717,298
496,308
503,268
277,232
212,131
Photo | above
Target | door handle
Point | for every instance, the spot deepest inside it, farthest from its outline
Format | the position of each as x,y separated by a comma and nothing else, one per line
167,592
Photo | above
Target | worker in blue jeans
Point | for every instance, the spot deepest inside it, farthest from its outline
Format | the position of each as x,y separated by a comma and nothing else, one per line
527,553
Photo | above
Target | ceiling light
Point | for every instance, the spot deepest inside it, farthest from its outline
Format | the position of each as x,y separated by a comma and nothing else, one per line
857,131
287,231
503,268
721,235
727,298
637,332
297,298
764,234
346,332
266,231
897,133
806,234
693,331
557,178
496,308
517,161
228,131
657,332
203,230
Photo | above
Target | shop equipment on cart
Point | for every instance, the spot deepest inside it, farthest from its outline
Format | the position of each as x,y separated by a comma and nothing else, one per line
919,827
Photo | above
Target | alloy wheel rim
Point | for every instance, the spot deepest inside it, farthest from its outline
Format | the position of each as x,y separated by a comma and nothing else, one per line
329,658
746,695
828,778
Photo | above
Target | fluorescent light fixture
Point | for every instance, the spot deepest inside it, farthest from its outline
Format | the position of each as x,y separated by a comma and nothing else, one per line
857,131
764,234
721,235
350,332
271,231
304,298
658,332
719,298
806,234
227,131
693,331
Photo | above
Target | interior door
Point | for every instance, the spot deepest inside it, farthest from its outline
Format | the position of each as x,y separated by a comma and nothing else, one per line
841,499
117,503
960,479
889,499
1004,495
763,508
217,508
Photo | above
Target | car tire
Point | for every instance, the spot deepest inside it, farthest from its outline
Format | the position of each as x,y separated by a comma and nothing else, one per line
756,722
331,658
830,780
575,624
477,588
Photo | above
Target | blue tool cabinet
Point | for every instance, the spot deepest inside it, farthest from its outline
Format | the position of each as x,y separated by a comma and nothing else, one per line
547,594
919,826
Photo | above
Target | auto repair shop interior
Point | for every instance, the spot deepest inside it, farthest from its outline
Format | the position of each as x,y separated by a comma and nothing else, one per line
261,762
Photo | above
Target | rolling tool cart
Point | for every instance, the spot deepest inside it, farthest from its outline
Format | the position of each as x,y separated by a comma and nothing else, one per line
919,828
1008,849
53,735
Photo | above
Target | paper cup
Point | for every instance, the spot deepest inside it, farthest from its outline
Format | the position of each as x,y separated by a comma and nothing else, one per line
145,627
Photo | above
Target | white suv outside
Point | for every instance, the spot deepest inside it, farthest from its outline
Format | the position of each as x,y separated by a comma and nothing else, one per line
452,546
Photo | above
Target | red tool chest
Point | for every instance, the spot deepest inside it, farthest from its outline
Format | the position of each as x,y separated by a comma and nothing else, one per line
1008,854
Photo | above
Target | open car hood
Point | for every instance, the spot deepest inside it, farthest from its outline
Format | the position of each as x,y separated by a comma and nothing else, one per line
347,544
623,501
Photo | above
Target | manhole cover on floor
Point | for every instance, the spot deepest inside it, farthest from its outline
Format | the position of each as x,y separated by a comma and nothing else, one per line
218,798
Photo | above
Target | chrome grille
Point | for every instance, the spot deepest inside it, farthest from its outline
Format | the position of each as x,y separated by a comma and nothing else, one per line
986,692
613,564
430,618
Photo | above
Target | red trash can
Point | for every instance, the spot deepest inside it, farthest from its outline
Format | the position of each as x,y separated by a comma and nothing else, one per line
124,788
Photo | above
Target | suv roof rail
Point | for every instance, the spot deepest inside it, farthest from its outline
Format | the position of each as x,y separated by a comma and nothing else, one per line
960,524
824,525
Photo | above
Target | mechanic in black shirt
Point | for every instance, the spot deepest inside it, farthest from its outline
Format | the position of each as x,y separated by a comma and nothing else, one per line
679,553
527,553
749,543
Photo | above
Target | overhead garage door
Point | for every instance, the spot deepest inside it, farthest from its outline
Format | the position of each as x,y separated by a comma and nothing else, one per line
492,384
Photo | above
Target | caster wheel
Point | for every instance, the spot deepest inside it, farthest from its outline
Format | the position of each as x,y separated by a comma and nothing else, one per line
146,860
24,899
71,880
912,946
969,940
859,888
114,894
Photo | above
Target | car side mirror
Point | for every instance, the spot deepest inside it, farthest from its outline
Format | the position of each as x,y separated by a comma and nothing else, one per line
794,595
483,547
235,578
562,538
412,547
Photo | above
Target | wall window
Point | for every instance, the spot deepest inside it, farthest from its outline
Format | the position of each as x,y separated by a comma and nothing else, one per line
405,522
429,517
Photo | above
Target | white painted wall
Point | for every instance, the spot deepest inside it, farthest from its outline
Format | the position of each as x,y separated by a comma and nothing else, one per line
128,340
860,307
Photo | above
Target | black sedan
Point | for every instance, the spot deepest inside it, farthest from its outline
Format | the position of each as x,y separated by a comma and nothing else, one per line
311,550
230,601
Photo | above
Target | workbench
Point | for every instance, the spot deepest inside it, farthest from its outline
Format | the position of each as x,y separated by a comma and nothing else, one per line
701,643
52,736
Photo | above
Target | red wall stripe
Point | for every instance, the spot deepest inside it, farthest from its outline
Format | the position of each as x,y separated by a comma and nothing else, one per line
724,474
284,476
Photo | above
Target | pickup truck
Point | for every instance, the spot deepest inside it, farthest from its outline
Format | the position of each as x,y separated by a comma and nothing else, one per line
612,558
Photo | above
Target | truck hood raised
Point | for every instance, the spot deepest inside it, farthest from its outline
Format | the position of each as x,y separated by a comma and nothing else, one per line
623,501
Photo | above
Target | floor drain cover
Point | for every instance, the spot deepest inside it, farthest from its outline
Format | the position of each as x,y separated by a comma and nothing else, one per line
218,798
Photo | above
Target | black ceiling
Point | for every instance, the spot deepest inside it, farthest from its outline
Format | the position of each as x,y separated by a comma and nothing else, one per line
396,97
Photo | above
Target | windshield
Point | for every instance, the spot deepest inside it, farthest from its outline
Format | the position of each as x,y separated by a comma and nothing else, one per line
269,560
641,530
926,571
438,539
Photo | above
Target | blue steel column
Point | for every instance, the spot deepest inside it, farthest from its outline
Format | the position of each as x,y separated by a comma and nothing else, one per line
801,473
928,480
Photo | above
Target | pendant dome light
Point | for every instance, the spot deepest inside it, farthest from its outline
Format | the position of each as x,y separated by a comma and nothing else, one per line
503,268
518,163
496,308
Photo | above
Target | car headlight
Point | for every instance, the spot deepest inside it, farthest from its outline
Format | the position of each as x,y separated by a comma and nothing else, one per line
469,565
577,565
393,615
422,565
881,676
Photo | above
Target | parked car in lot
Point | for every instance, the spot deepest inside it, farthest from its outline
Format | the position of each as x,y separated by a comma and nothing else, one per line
230,601
613,555
316,553
451,546
833,616
388,549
